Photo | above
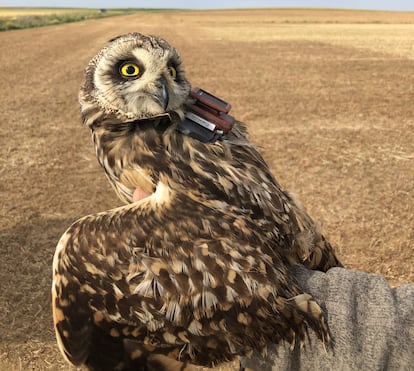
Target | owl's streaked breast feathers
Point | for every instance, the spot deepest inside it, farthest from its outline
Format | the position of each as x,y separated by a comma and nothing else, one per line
200,270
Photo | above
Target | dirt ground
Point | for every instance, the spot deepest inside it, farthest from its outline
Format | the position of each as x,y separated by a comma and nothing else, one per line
327,96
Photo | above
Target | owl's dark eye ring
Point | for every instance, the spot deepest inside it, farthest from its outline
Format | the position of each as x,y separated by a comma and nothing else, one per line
129,70
172,71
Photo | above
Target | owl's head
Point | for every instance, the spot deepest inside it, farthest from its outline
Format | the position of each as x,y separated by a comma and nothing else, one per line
135,77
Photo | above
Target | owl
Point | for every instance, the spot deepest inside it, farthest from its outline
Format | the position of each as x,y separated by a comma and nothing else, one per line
200,270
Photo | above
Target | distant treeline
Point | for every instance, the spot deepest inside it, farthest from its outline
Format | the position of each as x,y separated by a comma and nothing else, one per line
19,18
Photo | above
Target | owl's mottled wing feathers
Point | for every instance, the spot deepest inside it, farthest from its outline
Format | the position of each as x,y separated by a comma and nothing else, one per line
200,289
233,171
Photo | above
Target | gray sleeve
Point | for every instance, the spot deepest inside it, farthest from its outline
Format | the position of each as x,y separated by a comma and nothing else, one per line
372,325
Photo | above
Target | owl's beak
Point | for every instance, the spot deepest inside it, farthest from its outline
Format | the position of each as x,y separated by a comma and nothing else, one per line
162,96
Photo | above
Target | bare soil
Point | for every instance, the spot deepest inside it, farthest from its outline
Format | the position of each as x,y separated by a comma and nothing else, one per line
327,96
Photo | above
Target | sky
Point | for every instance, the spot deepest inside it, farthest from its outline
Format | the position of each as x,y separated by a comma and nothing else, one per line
213,4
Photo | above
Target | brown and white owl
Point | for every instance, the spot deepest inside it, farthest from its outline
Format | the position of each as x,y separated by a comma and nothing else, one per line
200,270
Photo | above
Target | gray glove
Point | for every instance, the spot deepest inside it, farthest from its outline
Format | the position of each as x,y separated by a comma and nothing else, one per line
372,325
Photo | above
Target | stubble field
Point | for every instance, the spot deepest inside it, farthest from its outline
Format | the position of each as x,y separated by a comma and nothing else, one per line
327,97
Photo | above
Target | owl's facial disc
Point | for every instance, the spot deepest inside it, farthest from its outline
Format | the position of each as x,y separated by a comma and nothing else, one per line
140,81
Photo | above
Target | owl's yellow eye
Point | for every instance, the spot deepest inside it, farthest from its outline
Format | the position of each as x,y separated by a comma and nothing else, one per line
129,69
173,72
